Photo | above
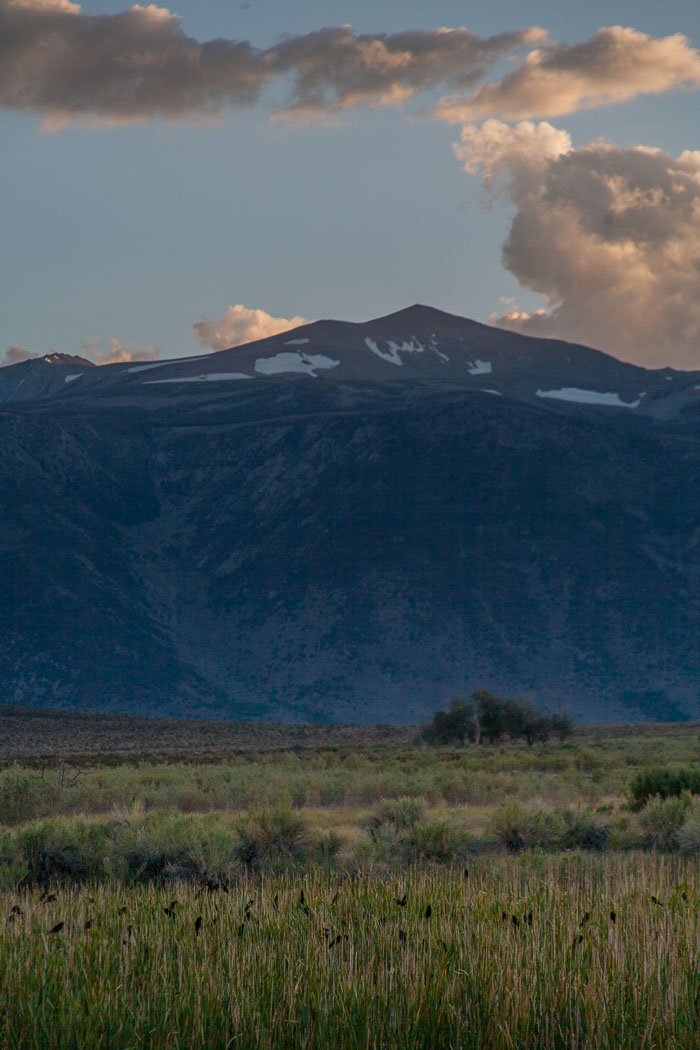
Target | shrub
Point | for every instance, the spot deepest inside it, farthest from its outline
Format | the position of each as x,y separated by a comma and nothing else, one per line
518,827
434,840
664,783
661,821
273,834
402,813
582,831
56,851
689,834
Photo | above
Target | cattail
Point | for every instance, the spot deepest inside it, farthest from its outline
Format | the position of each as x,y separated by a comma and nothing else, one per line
57,928
428,911
529,918
504,916
241,929
307,911
515,920
301,898
402,936
466,873
334,899
276,902
197,925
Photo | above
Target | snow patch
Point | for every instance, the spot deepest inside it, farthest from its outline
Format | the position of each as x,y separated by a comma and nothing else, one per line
293,362
479,368
485,390
392,354
588,397
76,375
210,377
296,342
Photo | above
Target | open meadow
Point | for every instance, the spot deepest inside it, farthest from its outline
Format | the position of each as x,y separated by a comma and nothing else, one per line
357,890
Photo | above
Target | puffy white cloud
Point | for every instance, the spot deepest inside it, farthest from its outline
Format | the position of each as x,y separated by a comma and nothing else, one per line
239,324
15,354
615,65
115,351
138,64
609,236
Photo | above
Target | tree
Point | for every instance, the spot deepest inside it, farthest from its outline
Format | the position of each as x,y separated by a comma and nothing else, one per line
562,726
453,726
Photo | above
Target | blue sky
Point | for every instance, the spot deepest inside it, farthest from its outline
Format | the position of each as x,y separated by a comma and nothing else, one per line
136,232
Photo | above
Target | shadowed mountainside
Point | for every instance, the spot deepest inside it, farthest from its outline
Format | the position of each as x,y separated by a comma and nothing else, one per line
356,549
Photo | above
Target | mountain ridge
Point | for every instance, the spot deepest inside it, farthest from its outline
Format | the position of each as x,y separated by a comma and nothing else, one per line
358,548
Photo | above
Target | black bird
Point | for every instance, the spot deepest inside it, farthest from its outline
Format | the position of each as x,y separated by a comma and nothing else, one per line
515,920
197,925
613,917
169,912
529,918
655,900
428,912
402,936
87,925
122,911
401,901
586,918
684,896
16,910
466,873
504,916
57,928
50,898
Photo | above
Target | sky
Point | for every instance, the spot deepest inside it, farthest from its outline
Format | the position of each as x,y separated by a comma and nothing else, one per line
175,181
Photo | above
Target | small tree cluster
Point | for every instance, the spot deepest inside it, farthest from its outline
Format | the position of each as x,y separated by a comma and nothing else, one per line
487,718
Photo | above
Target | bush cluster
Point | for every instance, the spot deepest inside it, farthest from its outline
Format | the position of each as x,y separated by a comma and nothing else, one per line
489,719
664,783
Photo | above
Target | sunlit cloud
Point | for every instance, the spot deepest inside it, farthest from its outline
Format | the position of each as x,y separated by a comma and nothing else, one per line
114,351
239,324
609,236
14,355
139,65
615,65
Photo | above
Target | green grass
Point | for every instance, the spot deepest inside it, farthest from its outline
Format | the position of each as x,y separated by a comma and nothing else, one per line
464,978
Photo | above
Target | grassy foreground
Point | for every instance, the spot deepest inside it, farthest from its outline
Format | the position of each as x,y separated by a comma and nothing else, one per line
536,951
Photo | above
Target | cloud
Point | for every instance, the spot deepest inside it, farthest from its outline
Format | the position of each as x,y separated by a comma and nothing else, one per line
115,351
615,65
609,236
138,64
242,325
15,354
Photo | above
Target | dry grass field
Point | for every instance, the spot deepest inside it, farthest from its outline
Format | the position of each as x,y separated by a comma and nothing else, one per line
173,885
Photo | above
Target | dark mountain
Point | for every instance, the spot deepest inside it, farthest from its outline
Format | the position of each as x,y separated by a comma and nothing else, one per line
353,522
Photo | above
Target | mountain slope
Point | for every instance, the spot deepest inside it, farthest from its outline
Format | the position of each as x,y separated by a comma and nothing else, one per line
354,549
